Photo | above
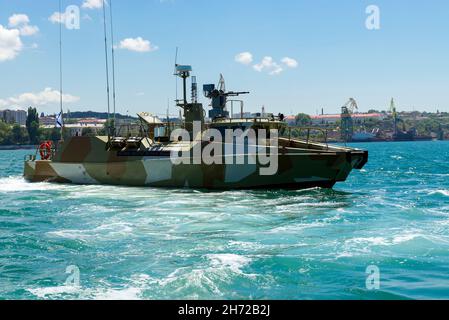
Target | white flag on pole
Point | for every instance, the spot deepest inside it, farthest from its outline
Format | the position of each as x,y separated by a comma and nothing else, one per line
59,121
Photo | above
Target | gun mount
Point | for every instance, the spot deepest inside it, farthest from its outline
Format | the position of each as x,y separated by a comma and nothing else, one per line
219,99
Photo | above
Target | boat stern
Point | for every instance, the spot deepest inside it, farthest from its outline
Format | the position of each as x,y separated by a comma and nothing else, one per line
359,158
355,160
40,171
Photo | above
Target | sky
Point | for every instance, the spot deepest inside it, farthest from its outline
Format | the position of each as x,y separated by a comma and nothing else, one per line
292,55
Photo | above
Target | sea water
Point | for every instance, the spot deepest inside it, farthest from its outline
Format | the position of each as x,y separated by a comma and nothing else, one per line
105,242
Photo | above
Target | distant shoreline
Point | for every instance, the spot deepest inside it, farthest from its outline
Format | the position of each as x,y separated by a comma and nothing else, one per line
34,147
18,147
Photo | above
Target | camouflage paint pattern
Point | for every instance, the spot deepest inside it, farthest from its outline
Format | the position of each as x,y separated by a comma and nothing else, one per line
87,160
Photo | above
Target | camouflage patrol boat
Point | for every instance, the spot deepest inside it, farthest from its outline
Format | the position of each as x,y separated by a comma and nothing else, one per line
157,156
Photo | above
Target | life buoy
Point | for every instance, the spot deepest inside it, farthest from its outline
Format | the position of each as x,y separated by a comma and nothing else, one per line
45,150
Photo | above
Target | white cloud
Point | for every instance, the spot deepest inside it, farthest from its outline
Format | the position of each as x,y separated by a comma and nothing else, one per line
244,58
46,97
58,17
289,62
28,30
22,23
268,64
137,44
18,19
10,43
92,4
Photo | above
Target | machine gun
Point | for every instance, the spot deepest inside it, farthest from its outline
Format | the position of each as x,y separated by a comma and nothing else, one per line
219,98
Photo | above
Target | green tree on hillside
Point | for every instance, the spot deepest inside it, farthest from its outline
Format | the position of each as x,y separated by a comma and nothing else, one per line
302,119
19,135
108,127
55,135
32,125
5,133
87,132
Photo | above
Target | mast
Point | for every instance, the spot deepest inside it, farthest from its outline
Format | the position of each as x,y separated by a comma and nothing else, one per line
175,74
107,67
113,64
60,70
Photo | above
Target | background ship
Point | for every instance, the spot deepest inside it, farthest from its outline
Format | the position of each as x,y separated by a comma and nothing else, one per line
364,136
348,133
403,135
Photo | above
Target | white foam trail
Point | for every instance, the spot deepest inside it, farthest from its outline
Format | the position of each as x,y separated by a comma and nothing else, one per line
138,284
440,192
115,230
44,293
231,261
130,293
15,184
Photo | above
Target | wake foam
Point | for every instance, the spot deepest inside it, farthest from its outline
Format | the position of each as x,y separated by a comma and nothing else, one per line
439,192
18,183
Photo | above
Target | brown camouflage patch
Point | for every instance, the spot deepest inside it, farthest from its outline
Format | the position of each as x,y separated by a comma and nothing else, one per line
43,172
76,150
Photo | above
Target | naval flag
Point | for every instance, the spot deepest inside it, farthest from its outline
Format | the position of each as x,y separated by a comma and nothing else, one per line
59,121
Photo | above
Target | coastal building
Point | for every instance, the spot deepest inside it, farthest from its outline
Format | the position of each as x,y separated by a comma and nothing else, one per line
76,129
93,124
291,120
250,115
47,121
330,119
14,116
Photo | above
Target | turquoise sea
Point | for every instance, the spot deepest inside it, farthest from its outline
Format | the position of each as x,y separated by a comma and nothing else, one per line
137,243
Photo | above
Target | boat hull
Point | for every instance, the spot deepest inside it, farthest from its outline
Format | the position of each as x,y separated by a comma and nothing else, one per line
295,172
88,161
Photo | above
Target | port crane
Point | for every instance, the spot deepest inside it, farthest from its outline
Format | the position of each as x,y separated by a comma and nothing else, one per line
351,106
347,123
394,114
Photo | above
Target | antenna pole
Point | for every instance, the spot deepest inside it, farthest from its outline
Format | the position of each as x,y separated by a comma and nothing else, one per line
113,63
107,66
60,69
168,118
176,78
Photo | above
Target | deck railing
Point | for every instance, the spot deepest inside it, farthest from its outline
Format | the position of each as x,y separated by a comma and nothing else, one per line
309,134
